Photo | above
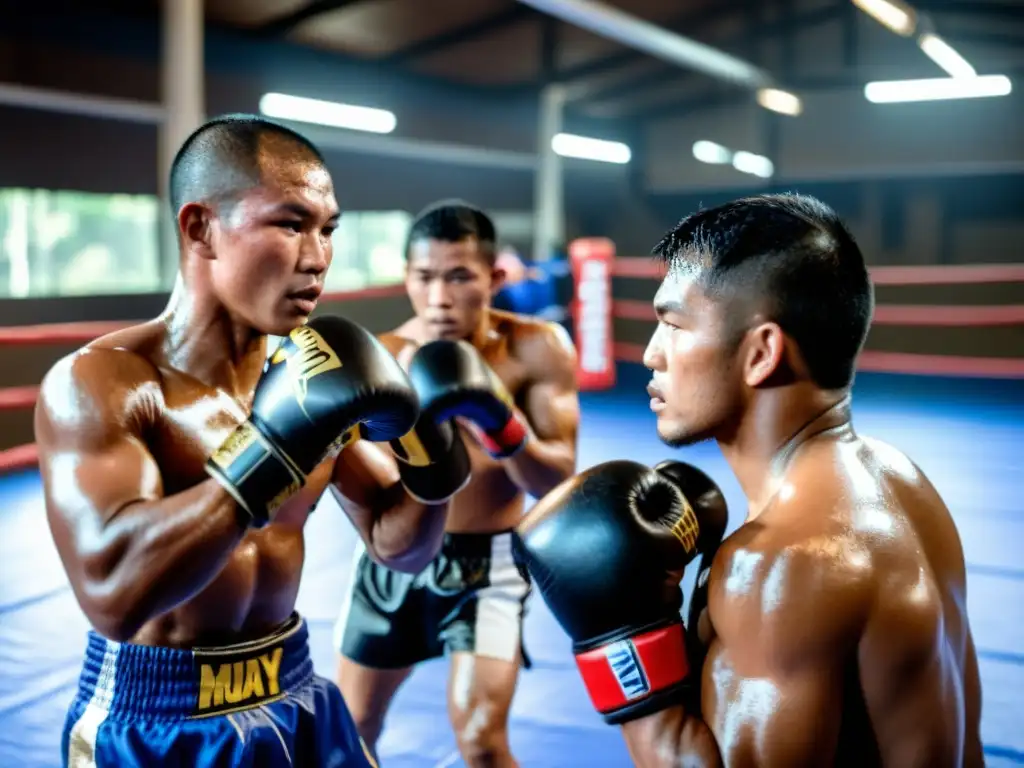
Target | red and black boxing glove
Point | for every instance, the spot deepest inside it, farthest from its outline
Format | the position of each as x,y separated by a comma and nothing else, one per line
607,550
453,381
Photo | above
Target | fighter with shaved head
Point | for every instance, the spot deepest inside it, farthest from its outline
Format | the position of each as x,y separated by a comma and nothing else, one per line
180,462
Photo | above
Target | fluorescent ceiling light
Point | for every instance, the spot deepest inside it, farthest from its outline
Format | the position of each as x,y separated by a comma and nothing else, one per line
943,54
710,152
584,148
745,162
937,89
783,102
755,165
895,15
329,113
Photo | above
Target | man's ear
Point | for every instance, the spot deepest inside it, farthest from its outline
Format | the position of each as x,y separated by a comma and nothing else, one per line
195,228
498,276
765,347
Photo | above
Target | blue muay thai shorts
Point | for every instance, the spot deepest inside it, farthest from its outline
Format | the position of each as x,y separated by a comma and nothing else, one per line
254,704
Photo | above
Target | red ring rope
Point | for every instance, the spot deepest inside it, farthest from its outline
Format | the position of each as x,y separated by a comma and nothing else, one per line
885,314
639,267
24,397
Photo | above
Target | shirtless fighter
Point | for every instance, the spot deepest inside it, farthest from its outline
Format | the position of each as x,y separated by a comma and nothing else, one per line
469,601
179,465
836,614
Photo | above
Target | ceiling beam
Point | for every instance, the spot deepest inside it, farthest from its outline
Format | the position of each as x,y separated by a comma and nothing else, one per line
463,34
282,25
687,22
613,23
655,76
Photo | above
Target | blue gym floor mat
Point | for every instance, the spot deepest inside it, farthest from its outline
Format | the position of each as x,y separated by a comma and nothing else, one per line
966,435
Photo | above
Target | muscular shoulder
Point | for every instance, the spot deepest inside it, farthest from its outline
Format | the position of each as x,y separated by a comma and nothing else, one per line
883,503
800,591
834,548
99,388
543,347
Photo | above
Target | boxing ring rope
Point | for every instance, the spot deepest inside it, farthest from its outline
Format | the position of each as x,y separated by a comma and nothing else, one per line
903,275
24,397
885,314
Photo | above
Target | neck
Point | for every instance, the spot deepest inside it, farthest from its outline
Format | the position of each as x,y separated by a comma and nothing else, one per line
482,333
776,423
204,341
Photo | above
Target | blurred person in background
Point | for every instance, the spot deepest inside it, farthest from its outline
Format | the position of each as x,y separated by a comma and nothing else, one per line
469,602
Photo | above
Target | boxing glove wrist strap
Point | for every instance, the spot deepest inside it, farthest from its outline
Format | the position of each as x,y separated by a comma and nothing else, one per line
505,441
255,472
432,475
638,675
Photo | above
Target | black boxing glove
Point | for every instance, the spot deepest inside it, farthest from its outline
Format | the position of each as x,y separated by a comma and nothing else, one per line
452,380
607,550
328,383
706,498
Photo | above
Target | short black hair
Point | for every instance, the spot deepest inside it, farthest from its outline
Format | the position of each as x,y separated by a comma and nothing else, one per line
450,221
794,255
221,158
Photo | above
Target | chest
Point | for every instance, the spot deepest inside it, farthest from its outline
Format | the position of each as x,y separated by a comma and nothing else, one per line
736,590
755,592
509,369
192,423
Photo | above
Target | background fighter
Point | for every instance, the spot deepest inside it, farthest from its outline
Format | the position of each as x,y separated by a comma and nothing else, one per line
470,600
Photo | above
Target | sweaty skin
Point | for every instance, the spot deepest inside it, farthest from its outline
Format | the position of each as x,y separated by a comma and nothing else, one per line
838,613
536,363
153,547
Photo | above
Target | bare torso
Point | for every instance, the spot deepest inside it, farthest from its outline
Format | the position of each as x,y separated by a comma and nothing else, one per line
491,501
853,525
182,421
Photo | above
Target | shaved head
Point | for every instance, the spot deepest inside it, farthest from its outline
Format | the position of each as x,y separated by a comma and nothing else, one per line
226,156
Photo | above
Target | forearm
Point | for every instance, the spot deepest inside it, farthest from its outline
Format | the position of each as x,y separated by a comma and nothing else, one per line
406,534
671,738
153,556
398,530
541,465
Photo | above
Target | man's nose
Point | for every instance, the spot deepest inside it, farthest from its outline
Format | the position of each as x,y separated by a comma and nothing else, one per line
654,357
438,294
315,257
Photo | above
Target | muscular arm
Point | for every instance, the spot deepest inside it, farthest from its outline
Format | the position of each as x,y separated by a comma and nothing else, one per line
786,612
911,676
672,738
552,410
130,552
400,532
